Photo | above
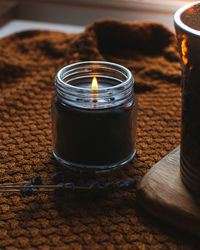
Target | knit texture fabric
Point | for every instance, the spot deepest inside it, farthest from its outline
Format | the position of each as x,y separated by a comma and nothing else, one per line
29,62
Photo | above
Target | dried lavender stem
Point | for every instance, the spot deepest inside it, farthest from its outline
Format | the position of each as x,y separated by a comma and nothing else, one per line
10,190
40,186
13,183
19,190
36,186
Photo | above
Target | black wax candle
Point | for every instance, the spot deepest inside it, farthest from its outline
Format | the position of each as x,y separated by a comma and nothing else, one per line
94,129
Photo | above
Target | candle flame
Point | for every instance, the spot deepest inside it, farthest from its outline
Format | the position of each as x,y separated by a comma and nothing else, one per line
94,83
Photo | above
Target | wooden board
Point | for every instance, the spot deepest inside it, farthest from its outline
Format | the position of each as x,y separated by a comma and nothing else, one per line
162,193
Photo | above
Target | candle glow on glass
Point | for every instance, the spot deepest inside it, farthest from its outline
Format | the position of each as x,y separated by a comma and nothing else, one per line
184,50
94,83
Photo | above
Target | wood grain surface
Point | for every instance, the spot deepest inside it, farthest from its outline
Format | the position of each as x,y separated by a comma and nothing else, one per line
162,193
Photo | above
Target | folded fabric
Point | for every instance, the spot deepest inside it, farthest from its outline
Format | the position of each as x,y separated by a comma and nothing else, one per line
28,63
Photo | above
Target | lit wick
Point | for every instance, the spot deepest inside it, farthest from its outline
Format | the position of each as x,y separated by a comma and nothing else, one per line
94,83
94,86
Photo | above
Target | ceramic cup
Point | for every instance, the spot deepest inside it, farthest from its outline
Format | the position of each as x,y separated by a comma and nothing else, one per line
187,25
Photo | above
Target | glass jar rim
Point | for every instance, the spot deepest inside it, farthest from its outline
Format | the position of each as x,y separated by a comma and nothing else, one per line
180,23
106,63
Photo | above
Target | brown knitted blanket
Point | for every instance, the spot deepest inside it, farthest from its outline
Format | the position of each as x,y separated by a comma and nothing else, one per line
28,64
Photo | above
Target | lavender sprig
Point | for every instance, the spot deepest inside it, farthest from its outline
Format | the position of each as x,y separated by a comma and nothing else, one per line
92,185
37,180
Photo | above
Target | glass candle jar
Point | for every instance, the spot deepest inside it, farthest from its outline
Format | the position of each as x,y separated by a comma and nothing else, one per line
94,127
